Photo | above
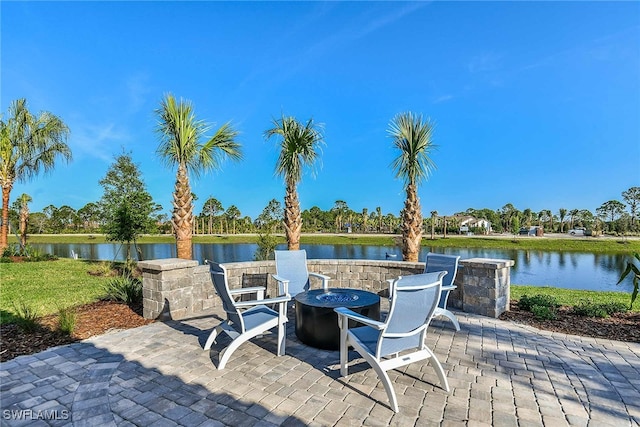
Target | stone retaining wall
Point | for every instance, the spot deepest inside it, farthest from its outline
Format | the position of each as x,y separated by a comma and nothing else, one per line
177,289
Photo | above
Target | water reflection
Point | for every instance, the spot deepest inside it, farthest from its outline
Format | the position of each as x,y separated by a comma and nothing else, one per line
565,270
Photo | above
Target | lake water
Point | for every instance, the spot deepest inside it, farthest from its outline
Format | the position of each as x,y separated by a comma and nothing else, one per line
539,268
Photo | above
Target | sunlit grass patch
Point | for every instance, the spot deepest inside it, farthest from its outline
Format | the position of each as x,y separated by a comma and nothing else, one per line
47,286
572,297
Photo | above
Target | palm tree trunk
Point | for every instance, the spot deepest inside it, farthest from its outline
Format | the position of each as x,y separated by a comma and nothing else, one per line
4,229
24,220
411,225
183,214
292,217
445,227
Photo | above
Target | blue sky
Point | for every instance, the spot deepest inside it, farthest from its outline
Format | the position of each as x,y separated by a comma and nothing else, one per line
535,103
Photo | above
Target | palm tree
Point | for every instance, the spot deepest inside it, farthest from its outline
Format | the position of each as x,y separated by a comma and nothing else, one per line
24,201
28,144
573,213
211,208
434,215
180,145
562,212
412,137
233,213
550,216
365,218
299,149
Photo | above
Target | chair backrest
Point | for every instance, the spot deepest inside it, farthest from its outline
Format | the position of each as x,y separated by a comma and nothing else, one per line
292,265
413,302
440,262
219,279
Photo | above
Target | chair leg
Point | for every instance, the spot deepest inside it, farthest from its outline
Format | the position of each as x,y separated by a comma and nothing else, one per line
282,332
212,337
386,381
225,354
344,346
439,370
449,315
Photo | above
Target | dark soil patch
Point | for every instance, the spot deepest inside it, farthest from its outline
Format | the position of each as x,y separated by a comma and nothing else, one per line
620,327
92,319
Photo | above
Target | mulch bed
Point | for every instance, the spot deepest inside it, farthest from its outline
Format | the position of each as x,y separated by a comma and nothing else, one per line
104,316
92,319
620,327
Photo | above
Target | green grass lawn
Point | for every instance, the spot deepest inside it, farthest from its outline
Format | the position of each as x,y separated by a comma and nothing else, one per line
48,286
571,297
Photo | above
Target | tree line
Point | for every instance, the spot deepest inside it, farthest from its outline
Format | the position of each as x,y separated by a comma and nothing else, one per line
611,217
30,144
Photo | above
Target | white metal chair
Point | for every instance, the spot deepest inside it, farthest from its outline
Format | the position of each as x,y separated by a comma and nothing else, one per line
292,273
448,263
256,319
400,339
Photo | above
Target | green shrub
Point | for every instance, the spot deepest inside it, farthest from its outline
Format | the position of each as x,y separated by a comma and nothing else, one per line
125,289
544,312
26,316
527,303
103,269
11,250
28,252
588,308
67,320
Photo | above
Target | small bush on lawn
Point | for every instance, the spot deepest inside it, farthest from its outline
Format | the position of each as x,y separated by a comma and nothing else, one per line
29,254
527,303
544,312
125,289
26,316
67,320
103,269
543,307
589,308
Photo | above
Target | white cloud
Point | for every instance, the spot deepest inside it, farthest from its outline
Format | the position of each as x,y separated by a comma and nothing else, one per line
96,141
443,98
138,91
487,61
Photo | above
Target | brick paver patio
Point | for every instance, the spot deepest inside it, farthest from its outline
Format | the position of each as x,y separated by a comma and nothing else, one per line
500,374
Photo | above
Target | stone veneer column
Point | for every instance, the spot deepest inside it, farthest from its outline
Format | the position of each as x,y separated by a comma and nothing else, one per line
485,285
175,288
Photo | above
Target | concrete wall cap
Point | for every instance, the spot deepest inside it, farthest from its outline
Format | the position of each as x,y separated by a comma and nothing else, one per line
479,262
167,264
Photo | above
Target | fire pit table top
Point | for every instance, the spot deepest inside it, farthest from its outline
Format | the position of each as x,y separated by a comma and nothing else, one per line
337,297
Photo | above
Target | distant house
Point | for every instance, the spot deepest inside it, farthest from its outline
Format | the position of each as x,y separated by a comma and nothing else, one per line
468,222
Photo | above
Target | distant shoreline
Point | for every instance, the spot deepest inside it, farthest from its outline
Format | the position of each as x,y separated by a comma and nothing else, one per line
549,242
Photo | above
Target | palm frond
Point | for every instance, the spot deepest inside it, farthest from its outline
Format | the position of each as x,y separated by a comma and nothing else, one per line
412,136
181,135
300,147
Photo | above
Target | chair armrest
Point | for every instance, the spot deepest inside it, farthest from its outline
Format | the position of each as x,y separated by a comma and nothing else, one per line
391,282
279,279
276,300
285,283
251,290
259,290
448,288
350,314
325,279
